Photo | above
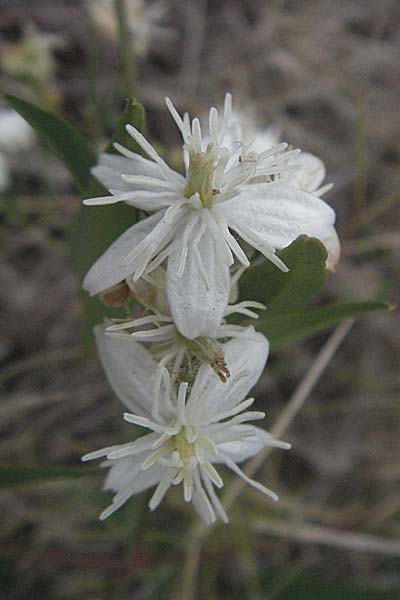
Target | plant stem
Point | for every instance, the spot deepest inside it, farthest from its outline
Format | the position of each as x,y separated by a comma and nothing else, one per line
127,54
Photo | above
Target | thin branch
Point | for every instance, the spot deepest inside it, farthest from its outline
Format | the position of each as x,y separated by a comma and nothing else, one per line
294,405
314,534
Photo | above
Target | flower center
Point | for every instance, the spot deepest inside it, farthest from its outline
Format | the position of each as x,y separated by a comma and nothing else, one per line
209,351
200,175
183,450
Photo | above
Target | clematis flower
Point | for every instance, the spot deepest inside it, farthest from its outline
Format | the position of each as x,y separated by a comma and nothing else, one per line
223,190
190,432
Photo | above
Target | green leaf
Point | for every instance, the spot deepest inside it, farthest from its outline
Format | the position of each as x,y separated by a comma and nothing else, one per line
282,329
97,227
11,476
288,292
60,137
134,115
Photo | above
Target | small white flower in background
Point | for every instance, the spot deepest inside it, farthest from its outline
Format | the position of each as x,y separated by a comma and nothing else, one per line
166,344
224,189
31,57
15,136
190,431
145,21
15,133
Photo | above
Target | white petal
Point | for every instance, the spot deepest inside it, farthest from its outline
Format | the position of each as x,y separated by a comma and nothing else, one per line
245,359
121,472
162,488
130,369
111,267
219,509
198,299
280,213
266,139
242,449
142,199
311,174
111,166
201,502
255,484
129,485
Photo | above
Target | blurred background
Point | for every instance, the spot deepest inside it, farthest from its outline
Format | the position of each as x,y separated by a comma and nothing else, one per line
327,75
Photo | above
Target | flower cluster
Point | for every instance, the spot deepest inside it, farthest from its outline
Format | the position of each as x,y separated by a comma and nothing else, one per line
180,368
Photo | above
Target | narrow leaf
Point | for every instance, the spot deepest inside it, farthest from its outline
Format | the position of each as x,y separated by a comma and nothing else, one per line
98,226
133,114
282,329
60,137
15,475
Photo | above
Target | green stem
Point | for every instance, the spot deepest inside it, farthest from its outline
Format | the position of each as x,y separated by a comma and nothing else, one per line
127,54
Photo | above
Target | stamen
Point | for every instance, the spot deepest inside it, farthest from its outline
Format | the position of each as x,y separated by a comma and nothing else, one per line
227,113
102,200
153,458
175,115
147,181
148,148
213,474
135,447
258,486
156,318
214,498
196,132
243,308
233,411
247,416
213,125
161,489
187,488
143,422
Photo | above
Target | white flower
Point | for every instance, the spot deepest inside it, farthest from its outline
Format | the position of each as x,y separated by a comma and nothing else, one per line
15,136
223,190
190,433
15,133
